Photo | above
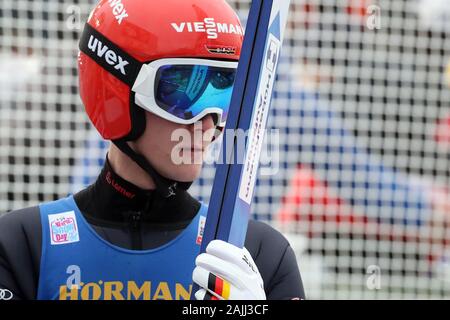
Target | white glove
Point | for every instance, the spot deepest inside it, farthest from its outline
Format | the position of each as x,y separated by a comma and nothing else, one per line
226,272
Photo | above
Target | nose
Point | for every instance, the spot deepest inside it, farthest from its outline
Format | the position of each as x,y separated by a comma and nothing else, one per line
203,125
207,125
207,122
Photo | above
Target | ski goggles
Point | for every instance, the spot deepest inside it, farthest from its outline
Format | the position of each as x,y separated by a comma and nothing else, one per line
184,90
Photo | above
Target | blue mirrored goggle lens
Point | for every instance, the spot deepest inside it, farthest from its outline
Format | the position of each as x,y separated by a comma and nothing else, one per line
186,90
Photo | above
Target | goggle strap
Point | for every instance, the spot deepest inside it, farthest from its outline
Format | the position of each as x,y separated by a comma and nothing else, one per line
108,55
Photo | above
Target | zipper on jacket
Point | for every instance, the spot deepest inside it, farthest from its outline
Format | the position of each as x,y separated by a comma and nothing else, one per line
135,226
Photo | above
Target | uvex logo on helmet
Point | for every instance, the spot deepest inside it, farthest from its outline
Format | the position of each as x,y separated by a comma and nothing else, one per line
209,26
109,55
118,10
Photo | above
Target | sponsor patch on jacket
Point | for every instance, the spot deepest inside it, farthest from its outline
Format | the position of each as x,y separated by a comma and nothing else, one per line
63,228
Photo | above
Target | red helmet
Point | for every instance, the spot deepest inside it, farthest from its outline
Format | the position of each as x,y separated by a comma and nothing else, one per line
138,32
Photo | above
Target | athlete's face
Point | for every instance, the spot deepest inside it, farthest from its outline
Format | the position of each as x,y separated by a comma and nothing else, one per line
176,151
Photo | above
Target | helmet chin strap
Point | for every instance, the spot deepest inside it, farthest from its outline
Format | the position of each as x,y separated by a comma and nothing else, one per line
164,186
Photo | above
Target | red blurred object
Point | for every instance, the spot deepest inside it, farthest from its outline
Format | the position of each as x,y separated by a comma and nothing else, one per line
442,132
357,10
309,199
357,7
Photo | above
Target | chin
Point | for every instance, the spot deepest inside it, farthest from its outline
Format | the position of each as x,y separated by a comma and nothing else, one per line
186,172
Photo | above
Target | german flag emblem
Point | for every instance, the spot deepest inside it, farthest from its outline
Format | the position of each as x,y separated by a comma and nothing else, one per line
219,286
209,296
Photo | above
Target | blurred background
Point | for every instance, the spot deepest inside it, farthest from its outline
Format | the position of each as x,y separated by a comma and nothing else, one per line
359,180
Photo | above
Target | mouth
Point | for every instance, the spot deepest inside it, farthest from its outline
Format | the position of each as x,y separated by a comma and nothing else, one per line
193,148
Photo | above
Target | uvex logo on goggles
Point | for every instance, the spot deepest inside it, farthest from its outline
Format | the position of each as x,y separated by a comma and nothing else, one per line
109,55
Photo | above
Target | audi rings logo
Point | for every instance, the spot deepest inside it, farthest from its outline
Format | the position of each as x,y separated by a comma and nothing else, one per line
5,294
